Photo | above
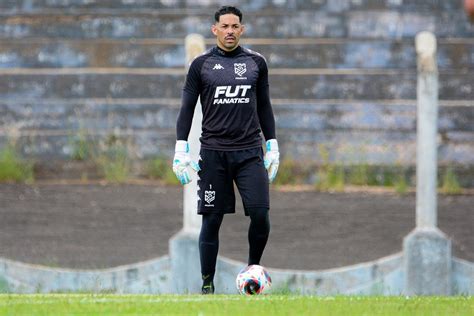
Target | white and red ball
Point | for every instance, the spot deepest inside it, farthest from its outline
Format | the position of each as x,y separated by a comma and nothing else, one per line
253,280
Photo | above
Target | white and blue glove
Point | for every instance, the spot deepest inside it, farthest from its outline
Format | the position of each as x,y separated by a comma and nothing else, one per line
182,160
272,159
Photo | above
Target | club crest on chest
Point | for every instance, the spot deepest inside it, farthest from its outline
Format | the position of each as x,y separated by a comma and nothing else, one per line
240,68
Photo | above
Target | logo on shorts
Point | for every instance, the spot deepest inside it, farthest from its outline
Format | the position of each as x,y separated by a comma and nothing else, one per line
209,196
240,69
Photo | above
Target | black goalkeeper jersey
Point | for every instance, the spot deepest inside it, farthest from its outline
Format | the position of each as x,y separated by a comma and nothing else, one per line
233,87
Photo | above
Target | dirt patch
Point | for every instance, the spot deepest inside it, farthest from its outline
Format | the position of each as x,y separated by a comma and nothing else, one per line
97,226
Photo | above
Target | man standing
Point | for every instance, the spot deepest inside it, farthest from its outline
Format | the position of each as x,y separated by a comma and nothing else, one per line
233,85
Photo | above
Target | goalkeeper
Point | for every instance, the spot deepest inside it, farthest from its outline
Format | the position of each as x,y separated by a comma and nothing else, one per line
232,83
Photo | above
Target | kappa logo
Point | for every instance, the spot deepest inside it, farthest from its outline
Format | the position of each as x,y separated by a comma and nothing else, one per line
209,196
218,67
240,69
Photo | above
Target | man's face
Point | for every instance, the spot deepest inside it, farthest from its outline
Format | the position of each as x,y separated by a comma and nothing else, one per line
228,31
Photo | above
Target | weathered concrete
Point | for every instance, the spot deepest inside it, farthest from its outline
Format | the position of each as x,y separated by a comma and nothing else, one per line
184,246
311,53
352,50
426,132
146,25
386,20
279,23
144,277
427,251
349,147
350,53
195,46
427,263
143,114
385,276
53,145
247,5
462,277
74,85
380,277
351,132
185,264
89,115
47,53
167,83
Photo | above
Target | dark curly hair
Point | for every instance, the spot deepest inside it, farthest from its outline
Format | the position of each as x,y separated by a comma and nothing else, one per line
227,10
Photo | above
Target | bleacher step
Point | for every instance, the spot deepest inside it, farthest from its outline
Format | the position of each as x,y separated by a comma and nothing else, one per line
325,53
111,84
373,24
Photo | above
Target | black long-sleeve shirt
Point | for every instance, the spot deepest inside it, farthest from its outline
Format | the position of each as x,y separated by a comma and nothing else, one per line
235,100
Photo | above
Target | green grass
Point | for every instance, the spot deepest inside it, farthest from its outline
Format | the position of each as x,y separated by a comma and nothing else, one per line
83,147
13,167
450,182
114,164
161,168
109,304
292,172
331,177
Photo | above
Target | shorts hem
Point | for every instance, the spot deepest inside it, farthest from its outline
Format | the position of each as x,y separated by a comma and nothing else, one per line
201,212
259,145
257,206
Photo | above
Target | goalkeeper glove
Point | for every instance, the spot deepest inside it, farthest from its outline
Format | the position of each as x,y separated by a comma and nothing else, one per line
182,160
272,159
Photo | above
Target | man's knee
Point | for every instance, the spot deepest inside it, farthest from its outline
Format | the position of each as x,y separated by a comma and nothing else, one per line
211,224
259,218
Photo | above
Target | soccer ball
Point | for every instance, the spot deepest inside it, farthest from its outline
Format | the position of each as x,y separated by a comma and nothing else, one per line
253,279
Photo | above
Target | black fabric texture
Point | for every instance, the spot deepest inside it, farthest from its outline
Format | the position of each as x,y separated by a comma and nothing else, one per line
221,169
209,245
234,93
259,231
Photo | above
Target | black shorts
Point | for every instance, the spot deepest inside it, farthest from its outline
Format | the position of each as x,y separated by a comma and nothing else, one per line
219,170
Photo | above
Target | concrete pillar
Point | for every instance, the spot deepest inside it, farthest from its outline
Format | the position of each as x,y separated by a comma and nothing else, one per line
195,46
427,251
184,252
427,262
427,129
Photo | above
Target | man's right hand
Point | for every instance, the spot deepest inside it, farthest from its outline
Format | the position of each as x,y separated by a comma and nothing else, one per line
182,160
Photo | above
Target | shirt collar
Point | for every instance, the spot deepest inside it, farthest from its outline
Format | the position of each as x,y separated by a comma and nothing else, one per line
232,53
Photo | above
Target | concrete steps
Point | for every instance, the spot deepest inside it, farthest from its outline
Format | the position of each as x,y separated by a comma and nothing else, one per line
344,146
167,83
377,131
342,73
281,23
22,6
290,53
145,114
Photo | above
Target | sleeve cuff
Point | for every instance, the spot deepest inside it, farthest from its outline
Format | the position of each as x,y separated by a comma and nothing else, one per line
272,145
181,146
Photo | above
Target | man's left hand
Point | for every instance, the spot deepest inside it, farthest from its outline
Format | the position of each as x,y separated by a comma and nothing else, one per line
272,159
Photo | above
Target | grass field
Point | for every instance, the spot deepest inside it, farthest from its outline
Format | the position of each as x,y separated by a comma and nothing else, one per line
105,304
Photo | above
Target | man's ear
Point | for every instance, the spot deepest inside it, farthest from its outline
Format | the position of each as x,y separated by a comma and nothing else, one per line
214,29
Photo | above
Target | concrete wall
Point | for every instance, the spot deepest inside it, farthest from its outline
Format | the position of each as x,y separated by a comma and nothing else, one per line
463,277
342,73
380,277
144,277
